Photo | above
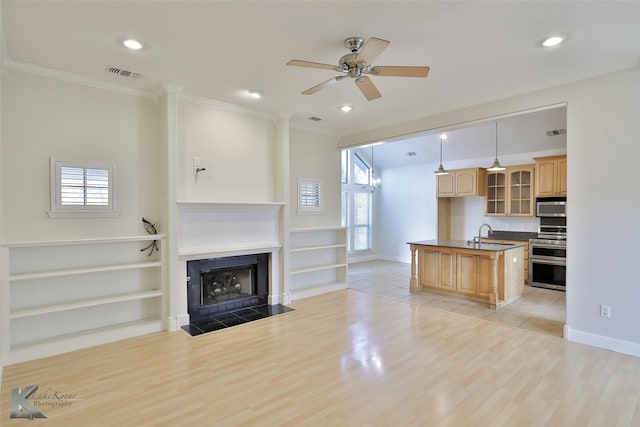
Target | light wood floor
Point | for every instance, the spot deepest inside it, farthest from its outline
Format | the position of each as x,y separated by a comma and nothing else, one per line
541,310
346,358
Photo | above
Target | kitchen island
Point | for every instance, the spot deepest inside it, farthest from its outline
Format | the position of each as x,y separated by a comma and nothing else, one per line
487,272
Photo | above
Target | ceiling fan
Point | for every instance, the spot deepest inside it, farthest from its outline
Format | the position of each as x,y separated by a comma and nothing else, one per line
358,65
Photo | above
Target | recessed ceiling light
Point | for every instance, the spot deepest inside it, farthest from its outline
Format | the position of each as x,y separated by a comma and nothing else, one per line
132,44
255,93
553,41
346,108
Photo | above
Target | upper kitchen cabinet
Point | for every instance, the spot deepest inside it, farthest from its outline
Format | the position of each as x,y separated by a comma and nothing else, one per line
510,192
551,176
462,182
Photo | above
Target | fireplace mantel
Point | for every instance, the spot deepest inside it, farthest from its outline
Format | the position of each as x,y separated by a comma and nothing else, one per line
209,206
188,254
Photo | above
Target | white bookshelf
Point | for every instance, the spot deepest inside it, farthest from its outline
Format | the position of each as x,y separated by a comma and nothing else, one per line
68,294
317,261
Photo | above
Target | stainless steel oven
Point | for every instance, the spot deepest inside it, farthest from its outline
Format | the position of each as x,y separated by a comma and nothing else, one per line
548,263
551,207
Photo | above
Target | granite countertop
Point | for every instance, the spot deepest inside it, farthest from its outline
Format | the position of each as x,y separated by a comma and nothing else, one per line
513,235
466,244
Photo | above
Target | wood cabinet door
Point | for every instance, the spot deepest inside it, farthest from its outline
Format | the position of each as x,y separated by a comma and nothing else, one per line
562,176
496,198
447,274
427,268
546,177
466,274
521,198
484,282
466,183
446,185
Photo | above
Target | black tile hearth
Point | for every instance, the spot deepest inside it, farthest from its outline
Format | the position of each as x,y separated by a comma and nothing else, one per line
233,318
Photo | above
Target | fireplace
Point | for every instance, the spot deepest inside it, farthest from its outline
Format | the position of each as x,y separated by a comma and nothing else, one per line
219,285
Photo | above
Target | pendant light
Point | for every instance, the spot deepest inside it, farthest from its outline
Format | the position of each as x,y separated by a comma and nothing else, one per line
441,170
496,166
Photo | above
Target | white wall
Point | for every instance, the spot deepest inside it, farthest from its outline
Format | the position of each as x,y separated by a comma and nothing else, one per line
236,148
602,129
314,156
43,118
405,211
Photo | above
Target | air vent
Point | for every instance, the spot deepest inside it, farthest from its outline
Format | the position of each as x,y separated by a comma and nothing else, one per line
124,73
412,153
315,119
556,132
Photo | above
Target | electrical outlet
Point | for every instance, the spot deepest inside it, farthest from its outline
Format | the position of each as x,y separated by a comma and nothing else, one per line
605,311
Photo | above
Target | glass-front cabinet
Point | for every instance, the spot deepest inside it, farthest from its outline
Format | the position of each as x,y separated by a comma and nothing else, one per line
521,198
496,201
511,192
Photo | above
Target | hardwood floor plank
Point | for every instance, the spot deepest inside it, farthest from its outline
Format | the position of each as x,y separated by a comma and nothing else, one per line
341,359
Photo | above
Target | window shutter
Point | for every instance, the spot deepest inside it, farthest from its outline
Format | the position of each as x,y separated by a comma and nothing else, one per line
81,188
309,196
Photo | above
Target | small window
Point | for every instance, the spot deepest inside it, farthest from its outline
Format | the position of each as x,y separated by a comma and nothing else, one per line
82,189
309,196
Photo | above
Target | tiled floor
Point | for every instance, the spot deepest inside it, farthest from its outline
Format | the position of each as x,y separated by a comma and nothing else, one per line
233,318
541,310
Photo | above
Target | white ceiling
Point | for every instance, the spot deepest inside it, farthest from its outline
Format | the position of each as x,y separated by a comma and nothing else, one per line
478,51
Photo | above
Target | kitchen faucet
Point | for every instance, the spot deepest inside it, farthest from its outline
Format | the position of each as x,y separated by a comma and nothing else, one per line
480,232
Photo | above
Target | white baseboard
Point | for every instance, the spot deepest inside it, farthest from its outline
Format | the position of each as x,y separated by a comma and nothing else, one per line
600,341
316,290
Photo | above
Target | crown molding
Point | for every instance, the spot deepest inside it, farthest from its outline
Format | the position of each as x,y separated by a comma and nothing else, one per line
326,132
53,73
218,105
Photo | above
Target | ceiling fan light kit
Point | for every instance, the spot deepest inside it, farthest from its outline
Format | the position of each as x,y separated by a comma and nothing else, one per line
358,64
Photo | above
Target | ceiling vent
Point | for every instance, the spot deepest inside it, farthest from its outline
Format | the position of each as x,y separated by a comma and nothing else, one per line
315,119
123,73
556,132
412,153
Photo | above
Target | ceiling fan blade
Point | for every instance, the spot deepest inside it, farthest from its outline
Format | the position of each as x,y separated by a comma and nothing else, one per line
371,49
367,88
307,64
400,71
322,85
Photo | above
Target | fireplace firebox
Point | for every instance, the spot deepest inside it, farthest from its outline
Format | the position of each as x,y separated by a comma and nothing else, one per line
219,285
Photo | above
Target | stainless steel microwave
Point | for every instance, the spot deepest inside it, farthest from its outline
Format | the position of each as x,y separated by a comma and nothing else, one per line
553,208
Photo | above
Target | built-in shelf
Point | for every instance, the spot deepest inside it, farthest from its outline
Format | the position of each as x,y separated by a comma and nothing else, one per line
318,268
43,243
36,311
89,270
317,248
149,325
61,295
318,260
